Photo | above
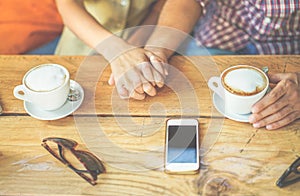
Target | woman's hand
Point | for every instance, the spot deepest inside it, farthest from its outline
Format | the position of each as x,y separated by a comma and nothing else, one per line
136,73
281,106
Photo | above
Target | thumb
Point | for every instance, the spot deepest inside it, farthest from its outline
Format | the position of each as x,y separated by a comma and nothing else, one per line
111,80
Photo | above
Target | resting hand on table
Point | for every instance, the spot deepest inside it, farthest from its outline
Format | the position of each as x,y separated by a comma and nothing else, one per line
137,72
281,105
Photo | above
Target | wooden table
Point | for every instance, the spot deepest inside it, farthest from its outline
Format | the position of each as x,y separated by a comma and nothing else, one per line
128,135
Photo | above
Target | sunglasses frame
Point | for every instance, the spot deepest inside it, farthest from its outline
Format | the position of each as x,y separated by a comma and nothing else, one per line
60,156
293,169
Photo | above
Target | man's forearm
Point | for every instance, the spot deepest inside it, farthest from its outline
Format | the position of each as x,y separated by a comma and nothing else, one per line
142,34
153,15
176,21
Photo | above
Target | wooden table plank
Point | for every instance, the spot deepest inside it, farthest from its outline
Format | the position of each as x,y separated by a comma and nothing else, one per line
242,161
193,96
28,169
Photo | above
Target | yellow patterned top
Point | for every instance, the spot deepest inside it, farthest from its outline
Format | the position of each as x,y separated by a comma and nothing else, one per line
114,15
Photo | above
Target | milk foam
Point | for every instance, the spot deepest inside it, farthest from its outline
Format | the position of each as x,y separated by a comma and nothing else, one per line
244,80
45,78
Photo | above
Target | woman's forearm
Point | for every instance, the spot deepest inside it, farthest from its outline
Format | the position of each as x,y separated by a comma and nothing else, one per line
81,23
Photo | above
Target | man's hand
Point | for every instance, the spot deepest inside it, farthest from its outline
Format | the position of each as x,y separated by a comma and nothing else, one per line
281,106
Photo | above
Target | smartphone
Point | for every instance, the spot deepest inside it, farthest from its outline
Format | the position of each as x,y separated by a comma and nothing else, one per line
182,146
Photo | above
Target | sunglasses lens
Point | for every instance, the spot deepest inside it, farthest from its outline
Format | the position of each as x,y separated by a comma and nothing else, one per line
53,147
72,159
60,141
292,177
297,165
91,162
66,143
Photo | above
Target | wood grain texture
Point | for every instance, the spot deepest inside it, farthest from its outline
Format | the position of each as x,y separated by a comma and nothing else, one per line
185,93
241,161
128,135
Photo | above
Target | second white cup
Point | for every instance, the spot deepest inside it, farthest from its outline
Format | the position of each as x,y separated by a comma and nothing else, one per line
240,87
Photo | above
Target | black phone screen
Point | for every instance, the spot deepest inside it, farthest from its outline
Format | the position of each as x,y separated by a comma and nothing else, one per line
182,144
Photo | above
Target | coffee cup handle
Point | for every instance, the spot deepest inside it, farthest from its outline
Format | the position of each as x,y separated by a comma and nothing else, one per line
215,84
20,92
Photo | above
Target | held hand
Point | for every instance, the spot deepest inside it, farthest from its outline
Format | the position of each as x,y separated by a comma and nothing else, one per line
281,106
134,75
158,58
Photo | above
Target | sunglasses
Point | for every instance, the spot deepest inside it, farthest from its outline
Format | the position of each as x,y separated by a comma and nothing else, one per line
84,163
291,175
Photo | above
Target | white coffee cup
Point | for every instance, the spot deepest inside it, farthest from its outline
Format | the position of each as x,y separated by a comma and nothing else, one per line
46,86
240,87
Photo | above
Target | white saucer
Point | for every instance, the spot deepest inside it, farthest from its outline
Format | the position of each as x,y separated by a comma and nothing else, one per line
68,108
219,105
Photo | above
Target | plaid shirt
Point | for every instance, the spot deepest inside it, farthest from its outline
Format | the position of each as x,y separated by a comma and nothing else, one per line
272,26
